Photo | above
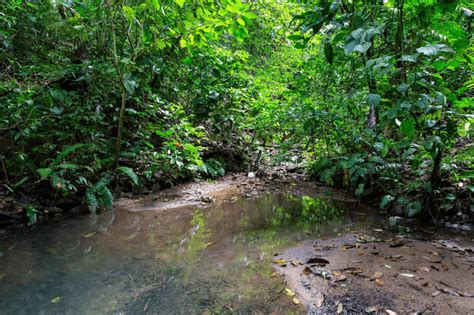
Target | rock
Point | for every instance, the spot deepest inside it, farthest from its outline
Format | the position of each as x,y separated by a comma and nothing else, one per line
394,221
53,210
206,198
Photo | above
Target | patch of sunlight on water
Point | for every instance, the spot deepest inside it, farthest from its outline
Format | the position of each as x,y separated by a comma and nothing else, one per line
181,261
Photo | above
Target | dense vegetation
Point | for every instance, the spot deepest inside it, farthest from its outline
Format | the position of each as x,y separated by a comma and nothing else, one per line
100,96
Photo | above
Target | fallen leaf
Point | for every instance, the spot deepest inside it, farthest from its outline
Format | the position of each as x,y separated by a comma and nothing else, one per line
274,274
294,263
435,260
378,230
296,301
56,300
319,299
379,282
397,243
87,235
389,312
387,266
360,253
340,278
339,308
317,261
353,270
436,293
424,269
279,261
209,244
408,275
376,275
372,309
289,292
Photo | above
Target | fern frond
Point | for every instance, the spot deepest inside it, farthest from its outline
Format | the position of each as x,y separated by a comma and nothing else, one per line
106,197
66,151
130,173
91,200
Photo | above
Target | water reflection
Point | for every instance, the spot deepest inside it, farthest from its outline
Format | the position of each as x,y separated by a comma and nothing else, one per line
216,259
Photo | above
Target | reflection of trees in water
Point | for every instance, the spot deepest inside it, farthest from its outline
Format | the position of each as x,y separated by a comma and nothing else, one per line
308,214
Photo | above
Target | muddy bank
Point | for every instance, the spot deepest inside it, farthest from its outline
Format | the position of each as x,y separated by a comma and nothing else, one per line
380,274
228,188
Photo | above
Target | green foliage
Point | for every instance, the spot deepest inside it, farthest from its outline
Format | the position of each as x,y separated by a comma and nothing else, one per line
130,173
99,195
377,96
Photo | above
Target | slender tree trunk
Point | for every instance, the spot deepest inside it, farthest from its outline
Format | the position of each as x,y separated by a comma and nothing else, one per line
402,77
372,85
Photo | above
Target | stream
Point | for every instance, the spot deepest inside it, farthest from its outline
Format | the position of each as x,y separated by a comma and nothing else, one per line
188,260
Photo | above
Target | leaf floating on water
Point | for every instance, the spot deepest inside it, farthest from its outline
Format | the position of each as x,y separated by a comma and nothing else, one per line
56,300
340,308
296,301
379,282
408,275
319,299
289,292
279,261
87,235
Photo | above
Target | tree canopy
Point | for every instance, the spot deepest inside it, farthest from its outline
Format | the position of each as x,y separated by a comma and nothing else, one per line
102,96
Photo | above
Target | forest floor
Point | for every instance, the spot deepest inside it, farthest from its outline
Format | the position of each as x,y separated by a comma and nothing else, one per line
361,273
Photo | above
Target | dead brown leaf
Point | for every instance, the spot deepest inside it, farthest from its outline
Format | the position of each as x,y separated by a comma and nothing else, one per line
319,299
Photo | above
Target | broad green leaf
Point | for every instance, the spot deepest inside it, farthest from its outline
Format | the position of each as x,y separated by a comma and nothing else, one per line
129,13
181,2
386,200
373,99
44,172
434,49
408,127
295,37
328,52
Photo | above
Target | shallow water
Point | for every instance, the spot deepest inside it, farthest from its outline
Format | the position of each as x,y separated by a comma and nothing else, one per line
187,260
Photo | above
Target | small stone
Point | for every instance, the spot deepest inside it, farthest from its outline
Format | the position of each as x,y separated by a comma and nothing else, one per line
206,198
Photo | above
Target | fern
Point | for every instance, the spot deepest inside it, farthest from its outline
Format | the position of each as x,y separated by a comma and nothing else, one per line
66,151
91,200
106,197
99,195
130,173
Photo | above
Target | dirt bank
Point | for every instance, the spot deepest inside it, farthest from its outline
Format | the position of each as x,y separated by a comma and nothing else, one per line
381,274
227,188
